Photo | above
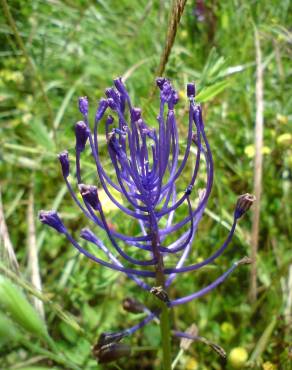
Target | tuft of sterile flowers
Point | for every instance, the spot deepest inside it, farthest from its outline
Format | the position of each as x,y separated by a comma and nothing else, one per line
147,171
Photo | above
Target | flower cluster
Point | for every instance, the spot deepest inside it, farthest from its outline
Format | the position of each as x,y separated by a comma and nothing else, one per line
147,165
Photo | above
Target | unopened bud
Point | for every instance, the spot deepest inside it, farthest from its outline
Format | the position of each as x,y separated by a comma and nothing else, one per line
160,81
120,85
132,305
191,90
83,105
243,204
135,114
81,135
111,352
112,104
107,338
90,195
88,235
112,94
103,104
52,219
64,161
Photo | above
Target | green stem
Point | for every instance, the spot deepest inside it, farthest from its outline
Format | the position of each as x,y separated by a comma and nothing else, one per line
55,357
160,282
177,358
165,336
164,316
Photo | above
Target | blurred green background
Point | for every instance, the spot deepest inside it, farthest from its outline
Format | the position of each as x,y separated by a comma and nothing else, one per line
65,49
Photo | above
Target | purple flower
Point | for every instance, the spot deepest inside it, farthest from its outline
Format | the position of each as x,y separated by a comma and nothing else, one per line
64,161
52,219
81,134
191,90
147,170
89,194
83,105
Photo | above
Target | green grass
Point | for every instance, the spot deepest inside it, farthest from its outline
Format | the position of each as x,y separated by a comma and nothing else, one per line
77,48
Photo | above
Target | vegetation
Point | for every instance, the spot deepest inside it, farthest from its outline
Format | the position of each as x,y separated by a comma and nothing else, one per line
55,51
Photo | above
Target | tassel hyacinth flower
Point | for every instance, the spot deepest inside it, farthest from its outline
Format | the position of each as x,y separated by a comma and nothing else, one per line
146,172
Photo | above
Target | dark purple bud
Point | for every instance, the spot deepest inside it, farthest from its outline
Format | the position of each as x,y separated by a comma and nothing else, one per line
191,90
135,114
83,105
111,352
65,165
166,91
132,305
119,85
112,94
81,134
103,104
243,204
160,82
90,195
88,235
52,219
112,104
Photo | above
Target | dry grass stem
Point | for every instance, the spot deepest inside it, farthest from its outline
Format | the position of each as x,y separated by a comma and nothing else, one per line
4,235
174,19
258,164
33,260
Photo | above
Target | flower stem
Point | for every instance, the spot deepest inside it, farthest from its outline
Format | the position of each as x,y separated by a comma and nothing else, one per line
160,282
165,336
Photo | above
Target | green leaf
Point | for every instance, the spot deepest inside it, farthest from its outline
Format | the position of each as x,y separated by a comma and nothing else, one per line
263,341
20,310
8,331
211,91
65,104
40,135
37,368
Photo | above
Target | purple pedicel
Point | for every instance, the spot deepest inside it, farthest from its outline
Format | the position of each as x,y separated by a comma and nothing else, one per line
147,169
